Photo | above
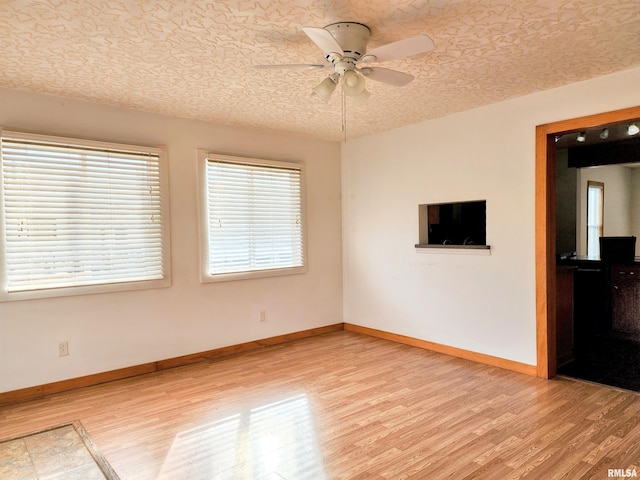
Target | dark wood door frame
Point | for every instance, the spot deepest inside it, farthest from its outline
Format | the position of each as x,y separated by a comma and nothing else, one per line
546,227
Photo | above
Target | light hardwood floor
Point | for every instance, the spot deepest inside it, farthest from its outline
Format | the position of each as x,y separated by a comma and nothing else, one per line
347,406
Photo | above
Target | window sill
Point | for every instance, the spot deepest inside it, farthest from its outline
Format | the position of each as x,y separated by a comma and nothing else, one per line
84,290
469,249
275,272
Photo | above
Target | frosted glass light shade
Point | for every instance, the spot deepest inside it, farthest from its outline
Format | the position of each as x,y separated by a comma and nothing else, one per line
361,99
325,89
352,83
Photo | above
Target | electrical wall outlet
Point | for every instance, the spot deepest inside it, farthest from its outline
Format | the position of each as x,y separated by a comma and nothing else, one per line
63,349
263,315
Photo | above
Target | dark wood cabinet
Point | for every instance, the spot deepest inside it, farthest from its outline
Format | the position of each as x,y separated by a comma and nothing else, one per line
625,299
564,314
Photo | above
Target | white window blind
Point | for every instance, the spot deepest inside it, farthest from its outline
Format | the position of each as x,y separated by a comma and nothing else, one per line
254,217
78,215
595,213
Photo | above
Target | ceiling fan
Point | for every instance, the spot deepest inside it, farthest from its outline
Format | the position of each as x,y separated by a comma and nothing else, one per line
344,45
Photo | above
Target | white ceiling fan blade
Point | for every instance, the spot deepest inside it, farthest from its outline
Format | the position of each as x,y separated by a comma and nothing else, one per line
300,66
323,39
400,49
392,77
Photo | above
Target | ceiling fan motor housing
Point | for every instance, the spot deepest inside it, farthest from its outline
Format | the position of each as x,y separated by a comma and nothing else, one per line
352,37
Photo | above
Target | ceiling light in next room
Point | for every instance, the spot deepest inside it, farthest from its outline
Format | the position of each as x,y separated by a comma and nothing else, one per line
582,136
633,129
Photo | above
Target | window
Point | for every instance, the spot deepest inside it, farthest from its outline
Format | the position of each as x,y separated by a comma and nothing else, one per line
453,224
595,217
80,217
252,218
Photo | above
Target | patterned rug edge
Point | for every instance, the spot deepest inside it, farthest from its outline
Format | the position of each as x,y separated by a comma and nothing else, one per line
105,467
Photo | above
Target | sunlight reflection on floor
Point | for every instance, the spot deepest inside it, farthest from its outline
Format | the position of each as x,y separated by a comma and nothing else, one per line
274,441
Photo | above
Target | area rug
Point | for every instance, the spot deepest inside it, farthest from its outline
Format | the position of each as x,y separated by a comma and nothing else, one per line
63,452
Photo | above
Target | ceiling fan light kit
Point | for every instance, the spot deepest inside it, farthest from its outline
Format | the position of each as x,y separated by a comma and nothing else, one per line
325,89
352,83
361,98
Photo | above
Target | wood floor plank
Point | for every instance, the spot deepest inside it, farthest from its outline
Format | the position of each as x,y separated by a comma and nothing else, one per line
346,406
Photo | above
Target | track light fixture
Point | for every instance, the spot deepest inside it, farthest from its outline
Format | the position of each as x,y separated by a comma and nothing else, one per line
632,129
582,136
604,134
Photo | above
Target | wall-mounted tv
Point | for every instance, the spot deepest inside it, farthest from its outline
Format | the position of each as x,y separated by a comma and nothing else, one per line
457,223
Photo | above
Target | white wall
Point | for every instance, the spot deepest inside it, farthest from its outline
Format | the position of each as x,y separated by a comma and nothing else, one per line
617,201
483,303
109,331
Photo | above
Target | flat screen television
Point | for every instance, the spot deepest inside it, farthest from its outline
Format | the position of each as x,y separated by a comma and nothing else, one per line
458,223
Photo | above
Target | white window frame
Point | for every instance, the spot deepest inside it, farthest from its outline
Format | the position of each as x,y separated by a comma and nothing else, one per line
5,295
205,276
595,217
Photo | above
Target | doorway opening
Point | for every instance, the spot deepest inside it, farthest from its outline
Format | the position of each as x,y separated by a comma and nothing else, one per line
556,280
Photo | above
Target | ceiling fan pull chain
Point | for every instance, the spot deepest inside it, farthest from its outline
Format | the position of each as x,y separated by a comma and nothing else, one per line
344,116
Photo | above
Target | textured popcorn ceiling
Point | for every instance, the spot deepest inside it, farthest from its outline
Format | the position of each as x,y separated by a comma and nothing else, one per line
193,58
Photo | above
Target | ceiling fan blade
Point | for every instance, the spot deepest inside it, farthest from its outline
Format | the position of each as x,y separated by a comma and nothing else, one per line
392,77
300,66
323,39
400,49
